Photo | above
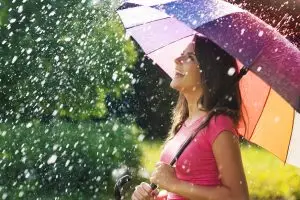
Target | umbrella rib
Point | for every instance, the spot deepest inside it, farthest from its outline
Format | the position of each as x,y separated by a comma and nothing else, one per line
260,113
287,153
148,22
169,44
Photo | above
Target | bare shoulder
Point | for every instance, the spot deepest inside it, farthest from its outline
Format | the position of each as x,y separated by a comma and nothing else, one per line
227,153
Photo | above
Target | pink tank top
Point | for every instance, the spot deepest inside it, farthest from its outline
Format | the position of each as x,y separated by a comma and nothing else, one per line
197,163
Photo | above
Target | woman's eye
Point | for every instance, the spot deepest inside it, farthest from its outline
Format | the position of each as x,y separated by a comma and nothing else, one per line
191,57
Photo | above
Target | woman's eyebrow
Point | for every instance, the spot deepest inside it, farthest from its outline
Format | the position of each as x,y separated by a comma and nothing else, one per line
191,53
188,53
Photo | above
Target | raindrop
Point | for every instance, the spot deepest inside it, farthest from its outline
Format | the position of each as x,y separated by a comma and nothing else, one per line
115,127
67,163
28,125
13,20
55,112
27,174
55,147
261,33
28,51
67,39
3,133
115,76
141,138
259,68
52,13
21,194
20,9
194,22
242,31
14,59
231,71
4,195
52,159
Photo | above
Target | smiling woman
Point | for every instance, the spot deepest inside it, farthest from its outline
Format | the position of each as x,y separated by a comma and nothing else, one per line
210,167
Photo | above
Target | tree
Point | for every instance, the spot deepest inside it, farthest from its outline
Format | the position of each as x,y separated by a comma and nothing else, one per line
61,58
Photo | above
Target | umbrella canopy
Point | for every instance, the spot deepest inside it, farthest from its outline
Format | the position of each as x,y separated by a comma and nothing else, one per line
271,89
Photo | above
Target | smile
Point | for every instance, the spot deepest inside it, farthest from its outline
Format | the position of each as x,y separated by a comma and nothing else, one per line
179,74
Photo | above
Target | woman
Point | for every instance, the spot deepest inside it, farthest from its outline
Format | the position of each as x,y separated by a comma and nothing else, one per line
210,168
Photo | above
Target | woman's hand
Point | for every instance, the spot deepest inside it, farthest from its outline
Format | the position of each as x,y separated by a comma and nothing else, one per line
144,192
164,176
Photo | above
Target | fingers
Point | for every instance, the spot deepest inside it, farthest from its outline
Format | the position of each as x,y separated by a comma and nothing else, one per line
142,192
159,164
155,192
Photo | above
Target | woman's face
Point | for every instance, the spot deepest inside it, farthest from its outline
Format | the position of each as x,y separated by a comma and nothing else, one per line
187,76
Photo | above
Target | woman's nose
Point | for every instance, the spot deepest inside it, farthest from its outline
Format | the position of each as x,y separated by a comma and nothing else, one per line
178,60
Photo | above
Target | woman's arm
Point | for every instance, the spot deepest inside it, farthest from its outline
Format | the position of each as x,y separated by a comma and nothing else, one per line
234,186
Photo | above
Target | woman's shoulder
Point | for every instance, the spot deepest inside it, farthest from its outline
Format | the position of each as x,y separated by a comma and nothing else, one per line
221,120
219,124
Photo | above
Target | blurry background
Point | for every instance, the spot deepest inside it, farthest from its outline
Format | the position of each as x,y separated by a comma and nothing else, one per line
80,105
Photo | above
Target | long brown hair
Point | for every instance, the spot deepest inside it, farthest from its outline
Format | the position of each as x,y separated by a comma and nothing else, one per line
221,94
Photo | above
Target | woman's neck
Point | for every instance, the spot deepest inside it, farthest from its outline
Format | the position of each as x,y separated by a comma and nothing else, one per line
194,107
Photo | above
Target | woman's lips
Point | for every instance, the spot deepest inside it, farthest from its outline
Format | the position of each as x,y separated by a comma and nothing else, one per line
179,74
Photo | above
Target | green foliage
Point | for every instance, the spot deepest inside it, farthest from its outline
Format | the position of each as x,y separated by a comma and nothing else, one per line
65,159
151,100
268,177
61,58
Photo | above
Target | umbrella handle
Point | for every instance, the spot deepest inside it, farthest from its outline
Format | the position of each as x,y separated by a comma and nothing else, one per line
118,186
153,186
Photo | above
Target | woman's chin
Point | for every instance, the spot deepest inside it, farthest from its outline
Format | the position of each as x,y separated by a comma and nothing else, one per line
174,85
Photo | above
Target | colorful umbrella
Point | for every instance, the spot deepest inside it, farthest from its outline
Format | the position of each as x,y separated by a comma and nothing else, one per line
270,90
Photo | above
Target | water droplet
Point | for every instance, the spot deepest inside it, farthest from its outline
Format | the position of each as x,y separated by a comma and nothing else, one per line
67,39
28,51
52,13
261,33
259,68
55,112
52,159
55,147
67,163
14,59
20,9
28,125
242,31
21,194
141,138
56,58
13,20
4,195
114,76
231,71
